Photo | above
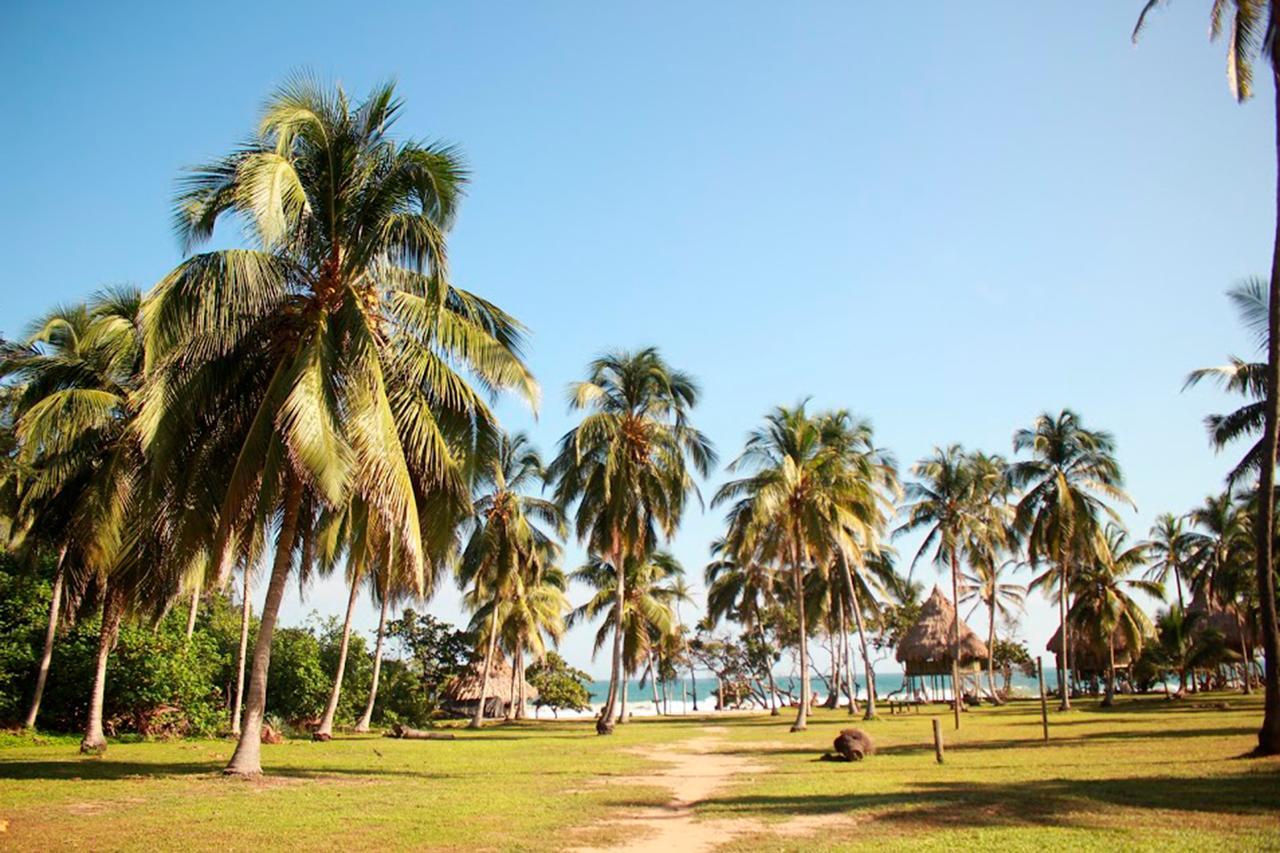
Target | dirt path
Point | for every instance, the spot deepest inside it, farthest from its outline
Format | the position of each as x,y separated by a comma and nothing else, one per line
694,771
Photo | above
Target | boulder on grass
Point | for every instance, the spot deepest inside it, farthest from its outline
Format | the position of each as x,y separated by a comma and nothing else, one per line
854,745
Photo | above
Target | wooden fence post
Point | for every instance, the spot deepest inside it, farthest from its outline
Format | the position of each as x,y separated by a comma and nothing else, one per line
937,739
1044,705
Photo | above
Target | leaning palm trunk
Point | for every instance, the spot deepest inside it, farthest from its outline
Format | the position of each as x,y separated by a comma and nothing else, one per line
653,682
367,716
195,606
1244,655
866,659
51,631
330,710
240,655
477,719
774,710
247,759
112,611
522,701
802,712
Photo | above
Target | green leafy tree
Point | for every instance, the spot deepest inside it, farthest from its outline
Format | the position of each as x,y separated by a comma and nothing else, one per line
559,685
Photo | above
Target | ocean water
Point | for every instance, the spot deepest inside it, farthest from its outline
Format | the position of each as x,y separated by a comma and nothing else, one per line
681,693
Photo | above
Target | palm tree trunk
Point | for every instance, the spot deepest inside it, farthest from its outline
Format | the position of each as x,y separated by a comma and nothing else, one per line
331,709
802,712
862,643
1177,581
367,716
247,759
653,678
519,668
195,605
1064,663
1244,655
240,655
991,650
1110,696
1269,733
477,719
604,725
112,611
955,635
774,710
50,632
511,706
846,653
622,708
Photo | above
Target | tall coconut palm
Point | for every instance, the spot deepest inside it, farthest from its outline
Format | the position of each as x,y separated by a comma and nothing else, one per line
1219,535
507,551
648,608
986,586
869,487
626,466
389,583
334,358
1167,548
1103,605
62,363
943,498
1253,28
795,508
742,591
1065,482
526,622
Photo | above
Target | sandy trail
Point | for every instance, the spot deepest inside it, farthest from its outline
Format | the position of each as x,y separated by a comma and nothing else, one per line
695,771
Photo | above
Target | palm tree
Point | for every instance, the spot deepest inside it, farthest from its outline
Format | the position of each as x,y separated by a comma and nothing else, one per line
527,621
742,591
64,363
869,488
986,586
1063,484
1167,549
334,359
647,614
1254,28
1103,605
388,583
626,466
796,508
506,549
1220,533
945,498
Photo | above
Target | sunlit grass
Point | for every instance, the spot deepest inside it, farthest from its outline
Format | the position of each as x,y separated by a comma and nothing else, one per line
1145,774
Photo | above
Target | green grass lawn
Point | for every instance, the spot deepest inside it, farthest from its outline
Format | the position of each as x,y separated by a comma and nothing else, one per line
1146,774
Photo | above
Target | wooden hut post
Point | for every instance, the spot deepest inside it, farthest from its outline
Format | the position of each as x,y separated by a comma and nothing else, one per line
937,739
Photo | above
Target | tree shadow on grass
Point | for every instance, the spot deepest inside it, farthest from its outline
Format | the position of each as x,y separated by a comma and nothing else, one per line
1045,802
93,769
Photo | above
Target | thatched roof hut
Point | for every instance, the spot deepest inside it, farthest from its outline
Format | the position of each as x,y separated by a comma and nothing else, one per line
1088,652
462,693
1218,618
926,649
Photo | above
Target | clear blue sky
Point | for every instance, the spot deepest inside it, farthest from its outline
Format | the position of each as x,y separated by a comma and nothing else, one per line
947,219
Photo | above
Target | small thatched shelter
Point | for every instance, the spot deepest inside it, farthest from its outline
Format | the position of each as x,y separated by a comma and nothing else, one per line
1088,653
463,692
926,649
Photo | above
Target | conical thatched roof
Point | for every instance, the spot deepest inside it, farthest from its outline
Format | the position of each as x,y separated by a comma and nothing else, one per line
1088,653
926,647
466,687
